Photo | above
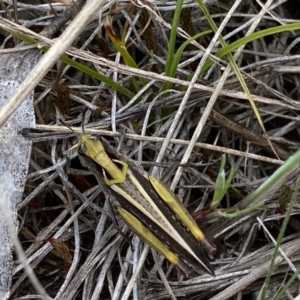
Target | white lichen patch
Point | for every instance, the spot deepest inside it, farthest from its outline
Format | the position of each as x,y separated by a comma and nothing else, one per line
14,155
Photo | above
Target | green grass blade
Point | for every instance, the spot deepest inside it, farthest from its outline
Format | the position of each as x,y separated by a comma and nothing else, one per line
95,74
281,171
279,296
252,37
222,185
178,54
242,212
79,66
172,40
128,60
279,239
236,70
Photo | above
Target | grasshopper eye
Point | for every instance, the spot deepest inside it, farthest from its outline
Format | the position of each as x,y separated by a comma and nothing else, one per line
94,138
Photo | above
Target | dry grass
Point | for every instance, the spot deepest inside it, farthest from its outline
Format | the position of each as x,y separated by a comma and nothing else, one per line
171,135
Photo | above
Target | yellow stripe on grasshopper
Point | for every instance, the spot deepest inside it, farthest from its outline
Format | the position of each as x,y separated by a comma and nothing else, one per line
177,207
147,207
150,209
130,184
147,235
95,150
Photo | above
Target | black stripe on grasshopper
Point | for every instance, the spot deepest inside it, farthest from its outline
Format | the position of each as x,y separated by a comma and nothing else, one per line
162,235
142,199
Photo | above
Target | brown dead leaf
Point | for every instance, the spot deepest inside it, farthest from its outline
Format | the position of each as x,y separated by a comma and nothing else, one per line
63,250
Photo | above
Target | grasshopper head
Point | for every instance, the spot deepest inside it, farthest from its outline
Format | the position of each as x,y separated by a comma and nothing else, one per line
89,145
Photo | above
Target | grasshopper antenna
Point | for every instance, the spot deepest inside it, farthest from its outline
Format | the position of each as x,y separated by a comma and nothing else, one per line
83,118
65,124
82,124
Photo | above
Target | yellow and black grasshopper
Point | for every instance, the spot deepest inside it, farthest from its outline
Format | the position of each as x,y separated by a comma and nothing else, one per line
149,208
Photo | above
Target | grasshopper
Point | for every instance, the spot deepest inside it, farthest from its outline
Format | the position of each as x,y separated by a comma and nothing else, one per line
148,207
